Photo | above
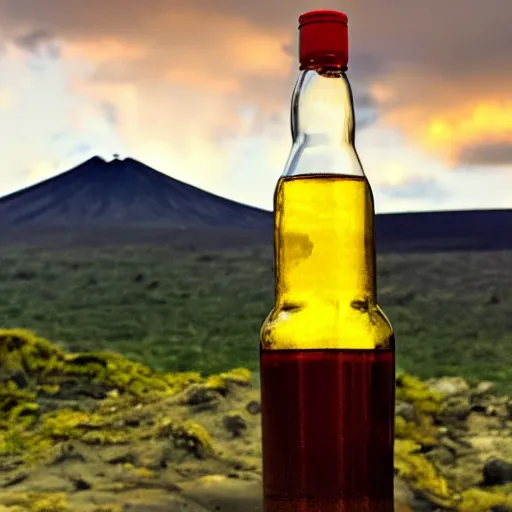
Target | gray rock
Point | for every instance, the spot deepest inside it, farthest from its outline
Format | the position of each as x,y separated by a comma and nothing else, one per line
449,386
455,411
497,472
406,410
483,388
225,494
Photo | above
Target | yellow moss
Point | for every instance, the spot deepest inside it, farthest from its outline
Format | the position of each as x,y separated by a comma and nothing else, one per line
179,381
55,426
38,502
49,503
109,508
68,424
117,372
423,431
50,389
12,442
142,473
240,376
213,479
477,500
11,397
23,411
106,437
215,382
23,350
421,474
188,435
34,450
46,364
426,403
411,390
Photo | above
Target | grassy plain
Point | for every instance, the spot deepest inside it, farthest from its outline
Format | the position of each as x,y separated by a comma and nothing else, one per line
182,309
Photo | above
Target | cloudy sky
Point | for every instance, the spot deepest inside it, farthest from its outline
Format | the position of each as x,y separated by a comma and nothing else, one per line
200,89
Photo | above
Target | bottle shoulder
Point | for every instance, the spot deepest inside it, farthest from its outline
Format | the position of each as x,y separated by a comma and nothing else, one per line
327,326
308,158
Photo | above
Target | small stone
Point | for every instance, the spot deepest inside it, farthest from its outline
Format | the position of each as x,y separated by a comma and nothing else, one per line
226,495
483,387
497,472
450,386
121,456
235,424
442,455
492,411
405,410
253,407
455,410
200,398
457,447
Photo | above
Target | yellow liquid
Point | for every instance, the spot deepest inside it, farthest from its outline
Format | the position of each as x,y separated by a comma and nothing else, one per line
325,267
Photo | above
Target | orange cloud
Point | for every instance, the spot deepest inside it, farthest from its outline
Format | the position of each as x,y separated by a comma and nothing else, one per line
484,120
447,130
180,76
103,49
199,79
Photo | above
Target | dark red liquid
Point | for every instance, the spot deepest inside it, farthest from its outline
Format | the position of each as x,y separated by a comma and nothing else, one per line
328,426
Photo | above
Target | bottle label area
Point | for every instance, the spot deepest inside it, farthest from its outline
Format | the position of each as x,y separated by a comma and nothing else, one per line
328,426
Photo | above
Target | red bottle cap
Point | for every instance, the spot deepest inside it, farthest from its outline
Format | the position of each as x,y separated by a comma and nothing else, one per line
323,39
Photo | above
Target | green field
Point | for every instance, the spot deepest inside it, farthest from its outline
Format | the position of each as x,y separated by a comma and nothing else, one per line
179,310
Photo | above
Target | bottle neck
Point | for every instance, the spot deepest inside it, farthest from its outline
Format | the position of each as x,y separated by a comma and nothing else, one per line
324,235
323,125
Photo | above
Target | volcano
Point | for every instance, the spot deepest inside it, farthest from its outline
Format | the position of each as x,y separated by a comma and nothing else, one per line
126,202
123,193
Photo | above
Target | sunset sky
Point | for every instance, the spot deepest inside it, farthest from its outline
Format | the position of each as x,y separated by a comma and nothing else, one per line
200,90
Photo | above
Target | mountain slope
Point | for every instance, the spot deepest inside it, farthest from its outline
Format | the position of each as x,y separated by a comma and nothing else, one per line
125,201
476,230
121,193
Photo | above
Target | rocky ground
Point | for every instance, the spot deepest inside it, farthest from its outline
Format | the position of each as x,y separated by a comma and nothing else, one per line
98,433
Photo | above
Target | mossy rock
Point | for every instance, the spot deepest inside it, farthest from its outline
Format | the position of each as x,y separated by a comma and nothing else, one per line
49,397
479,500
421,475
47,367
412,390
189,435
426,406
119,387
36,502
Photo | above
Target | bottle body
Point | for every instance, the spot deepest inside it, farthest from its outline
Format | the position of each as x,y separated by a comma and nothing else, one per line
327,422
324,250
327,349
